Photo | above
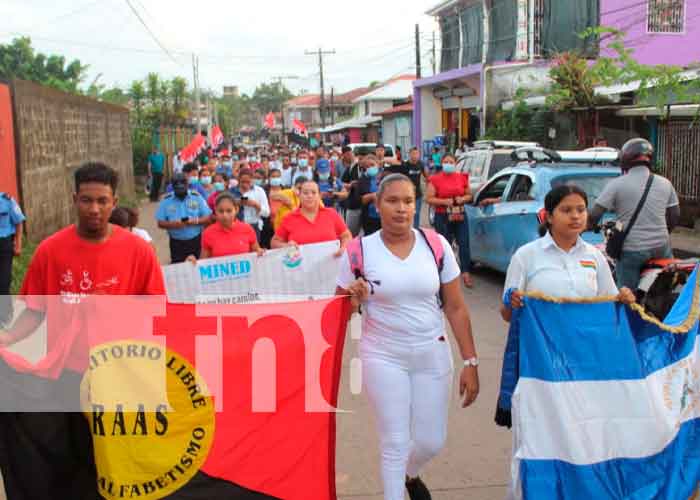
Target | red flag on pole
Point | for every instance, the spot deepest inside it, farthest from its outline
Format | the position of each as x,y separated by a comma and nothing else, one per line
270,120
217,137
300,128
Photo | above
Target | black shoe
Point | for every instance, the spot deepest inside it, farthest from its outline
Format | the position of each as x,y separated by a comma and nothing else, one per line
417,490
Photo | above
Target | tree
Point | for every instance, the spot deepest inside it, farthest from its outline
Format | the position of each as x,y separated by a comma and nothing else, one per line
19,60
137,92
270,97
574,81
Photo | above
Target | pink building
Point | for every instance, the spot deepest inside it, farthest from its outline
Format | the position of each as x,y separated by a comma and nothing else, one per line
659,31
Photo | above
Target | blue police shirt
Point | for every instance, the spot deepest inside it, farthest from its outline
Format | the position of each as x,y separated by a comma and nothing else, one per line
174,209
10,215
372,208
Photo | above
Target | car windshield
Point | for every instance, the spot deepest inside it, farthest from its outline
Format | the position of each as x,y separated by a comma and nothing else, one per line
593,185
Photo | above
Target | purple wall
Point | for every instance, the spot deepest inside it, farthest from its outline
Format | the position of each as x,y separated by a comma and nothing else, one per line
679,49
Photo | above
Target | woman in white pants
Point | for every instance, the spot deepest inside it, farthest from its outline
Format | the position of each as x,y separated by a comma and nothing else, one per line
406,359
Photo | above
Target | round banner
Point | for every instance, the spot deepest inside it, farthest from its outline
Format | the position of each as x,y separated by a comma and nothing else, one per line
151,418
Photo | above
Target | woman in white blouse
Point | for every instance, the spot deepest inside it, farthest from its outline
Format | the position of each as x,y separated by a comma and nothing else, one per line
560,263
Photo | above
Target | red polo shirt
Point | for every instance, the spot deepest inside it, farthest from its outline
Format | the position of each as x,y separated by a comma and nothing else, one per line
327,226
220,241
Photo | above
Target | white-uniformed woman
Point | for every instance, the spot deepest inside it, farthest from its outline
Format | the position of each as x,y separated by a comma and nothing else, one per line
560,263
406,358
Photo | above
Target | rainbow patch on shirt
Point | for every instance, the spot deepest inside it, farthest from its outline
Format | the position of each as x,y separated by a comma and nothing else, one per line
589,264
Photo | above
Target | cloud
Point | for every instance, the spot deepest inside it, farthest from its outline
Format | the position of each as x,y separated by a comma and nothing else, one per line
239,42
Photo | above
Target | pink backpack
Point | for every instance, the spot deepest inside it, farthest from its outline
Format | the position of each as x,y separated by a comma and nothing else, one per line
357,263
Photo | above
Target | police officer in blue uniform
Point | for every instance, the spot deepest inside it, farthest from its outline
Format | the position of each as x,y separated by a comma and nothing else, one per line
184,214
11,218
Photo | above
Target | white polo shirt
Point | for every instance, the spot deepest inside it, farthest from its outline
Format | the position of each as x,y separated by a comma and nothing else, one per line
250,214
542,266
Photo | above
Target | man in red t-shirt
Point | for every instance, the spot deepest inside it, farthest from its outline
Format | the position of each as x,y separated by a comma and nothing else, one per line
50,455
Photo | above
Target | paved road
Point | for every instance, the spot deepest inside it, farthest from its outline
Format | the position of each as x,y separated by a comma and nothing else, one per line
475,463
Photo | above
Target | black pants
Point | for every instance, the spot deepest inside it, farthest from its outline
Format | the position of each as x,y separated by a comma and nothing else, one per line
371,225
46,451
155,186
266,234
6,254
181,249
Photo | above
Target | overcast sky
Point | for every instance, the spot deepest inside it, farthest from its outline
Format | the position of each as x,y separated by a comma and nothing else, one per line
239,42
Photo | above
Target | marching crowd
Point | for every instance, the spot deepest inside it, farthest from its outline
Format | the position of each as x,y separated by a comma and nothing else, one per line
403,277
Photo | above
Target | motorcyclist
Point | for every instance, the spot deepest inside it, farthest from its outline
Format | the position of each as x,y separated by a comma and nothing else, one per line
649,237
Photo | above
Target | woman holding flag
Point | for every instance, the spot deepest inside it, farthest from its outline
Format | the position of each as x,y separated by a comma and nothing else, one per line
404,279
560,263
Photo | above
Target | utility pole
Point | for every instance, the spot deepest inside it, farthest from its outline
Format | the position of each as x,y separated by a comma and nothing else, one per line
195,77
332,105
321,53
418,75
434,53
279,80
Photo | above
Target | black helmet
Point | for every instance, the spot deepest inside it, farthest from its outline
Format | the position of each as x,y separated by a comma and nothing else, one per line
636,152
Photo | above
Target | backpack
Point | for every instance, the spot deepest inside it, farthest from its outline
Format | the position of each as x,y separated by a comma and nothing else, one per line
356,256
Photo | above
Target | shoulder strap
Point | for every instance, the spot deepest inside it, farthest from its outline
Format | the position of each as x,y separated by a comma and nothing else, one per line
432,238
356,257
640,205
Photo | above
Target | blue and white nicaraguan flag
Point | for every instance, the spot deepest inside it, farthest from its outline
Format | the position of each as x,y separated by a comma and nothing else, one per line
607,404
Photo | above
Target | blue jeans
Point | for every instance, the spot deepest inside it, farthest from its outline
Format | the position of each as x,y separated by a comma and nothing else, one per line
456,231
629,267
416,218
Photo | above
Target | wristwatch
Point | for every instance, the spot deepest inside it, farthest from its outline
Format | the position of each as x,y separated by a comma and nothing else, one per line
471,362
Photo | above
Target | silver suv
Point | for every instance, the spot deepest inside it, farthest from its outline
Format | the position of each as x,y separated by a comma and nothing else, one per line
487,158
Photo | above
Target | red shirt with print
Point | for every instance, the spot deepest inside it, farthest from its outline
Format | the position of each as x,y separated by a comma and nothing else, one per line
327,226
449,186
68,266
220,241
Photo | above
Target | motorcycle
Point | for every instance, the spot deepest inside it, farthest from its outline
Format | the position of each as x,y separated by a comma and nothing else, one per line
661,280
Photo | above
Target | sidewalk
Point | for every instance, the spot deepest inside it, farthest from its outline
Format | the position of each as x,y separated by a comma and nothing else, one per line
686,242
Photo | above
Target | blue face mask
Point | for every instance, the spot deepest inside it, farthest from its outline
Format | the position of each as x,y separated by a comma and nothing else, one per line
258,182
373,171
206,180
275,182
303,162
194,181
235,157
324,177
219,186
449,168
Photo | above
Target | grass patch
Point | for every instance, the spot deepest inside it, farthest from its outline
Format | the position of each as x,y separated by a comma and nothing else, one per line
20,265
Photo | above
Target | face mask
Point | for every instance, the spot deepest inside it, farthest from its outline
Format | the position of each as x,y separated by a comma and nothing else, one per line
219,186
373,171
293,161
449,168
206,180
303,162
235,157
334,158
275,182
258,182
233,183
194,181
324,177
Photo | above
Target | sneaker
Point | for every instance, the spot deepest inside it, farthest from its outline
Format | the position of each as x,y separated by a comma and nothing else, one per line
417,490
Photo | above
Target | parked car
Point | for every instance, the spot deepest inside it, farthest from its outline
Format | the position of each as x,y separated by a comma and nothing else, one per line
486,159
368,147
496,231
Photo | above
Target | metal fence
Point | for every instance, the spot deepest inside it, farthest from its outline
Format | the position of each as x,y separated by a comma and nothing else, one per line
679,157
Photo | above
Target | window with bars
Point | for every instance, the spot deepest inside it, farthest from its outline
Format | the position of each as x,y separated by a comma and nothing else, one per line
666,16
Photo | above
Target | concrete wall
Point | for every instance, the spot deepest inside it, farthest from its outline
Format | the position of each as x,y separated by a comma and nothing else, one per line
431,115
57,132
678,49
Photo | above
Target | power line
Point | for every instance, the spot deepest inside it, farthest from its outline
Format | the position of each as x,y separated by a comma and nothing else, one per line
155,38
